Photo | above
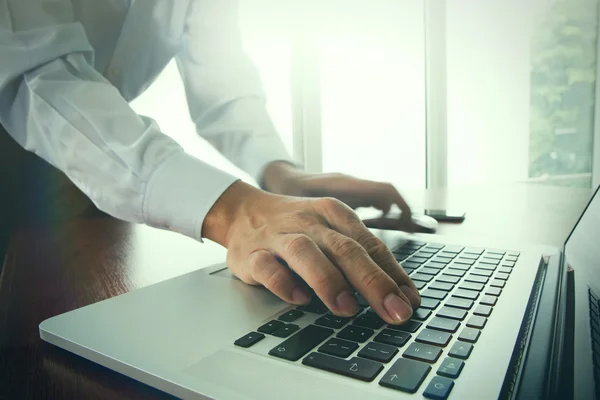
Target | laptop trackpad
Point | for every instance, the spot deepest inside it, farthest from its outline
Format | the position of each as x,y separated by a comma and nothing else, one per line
263,377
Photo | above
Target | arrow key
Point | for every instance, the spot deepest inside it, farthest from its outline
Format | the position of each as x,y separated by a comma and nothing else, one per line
358,368
405,375
451,367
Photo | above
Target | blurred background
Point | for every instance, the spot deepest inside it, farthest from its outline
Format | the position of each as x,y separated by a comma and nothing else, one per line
420,93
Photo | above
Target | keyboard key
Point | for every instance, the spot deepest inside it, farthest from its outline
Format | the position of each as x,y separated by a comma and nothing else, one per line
476,278
419,260
483,311
436,246
465,304
429,303
498,283
453,249
488,300
448,278
378,352
436,265
316,306
476,322
446,255
431,336
405,375
332,321
301,343
473,250
472,286
505,270
249,339
358,368
465,294
291,316
369,320
492,256
461,350
454,272
362,302
500,252
409,326
404,251
421,314
271,327
286,330
434,294
441,286
509,264
452,313
451,367
469,256
429,271
510,259
420,284
411,265
423,352
421,277
469,335
424,254
494,291
392,337
466,261
355,333
488,267
440,260
461,267
443,324
338,347
513,253
482,272
502,276
400,257
439,388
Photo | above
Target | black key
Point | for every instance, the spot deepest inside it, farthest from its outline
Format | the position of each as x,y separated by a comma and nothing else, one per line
271,327
461,267
465,294
505,270
316,306
459,303
338,347
466,261
419,260
392,337
436,246
472,286
484,311
429,271
453,249
421,277
404,251
405,375
440,260
355,333
358,368
301,343
443,324
476,278
421,314
431,336
502,276
420,284
436,265
476,322
286,330
429,303
434,294
424,254
452,313
332,321
461,350
469,335
448,278
362,302
482,272
249,339
400,257
409,326
378,352
487,267
469,256
422,352
441,286
439,388
454,272
408,264
408,270
369,320
488,300
473,250
498,283
494,291
291,316
451,367
431,248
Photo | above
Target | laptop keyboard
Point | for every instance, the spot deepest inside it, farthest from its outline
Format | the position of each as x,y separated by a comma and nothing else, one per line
459,288
595,329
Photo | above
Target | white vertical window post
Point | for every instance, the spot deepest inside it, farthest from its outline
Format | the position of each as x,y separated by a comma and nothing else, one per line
596,148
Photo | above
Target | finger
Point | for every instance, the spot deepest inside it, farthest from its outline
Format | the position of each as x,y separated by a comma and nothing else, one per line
306,259
397,198
390,224
266,270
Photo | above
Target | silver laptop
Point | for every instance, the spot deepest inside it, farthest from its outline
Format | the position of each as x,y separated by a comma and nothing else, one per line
498,320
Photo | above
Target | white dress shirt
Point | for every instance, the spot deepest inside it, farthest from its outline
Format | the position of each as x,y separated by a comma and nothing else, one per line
68,69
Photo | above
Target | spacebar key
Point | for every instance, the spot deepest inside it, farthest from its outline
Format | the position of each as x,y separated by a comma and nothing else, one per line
301,343
359,368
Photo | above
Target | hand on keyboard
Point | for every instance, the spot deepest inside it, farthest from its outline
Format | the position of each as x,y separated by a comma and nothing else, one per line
321,240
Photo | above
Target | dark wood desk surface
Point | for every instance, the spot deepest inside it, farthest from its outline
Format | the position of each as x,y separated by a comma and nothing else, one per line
53,269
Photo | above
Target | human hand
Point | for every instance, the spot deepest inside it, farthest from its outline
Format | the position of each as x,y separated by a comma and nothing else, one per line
321,240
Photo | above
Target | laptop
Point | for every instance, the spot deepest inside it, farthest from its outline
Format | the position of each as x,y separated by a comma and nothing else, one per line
497,320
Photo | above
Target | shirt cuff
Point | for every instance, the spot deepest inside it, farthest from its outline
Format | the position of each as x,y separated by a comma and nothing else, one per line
181,192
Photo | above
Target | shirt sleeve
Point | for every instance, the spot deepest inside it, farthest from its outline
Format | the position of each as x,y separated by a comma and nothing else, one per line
223,88
55,104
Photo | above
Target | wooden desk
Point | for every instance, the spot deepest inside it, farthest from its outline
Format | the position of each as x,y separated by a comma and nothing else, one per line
53,269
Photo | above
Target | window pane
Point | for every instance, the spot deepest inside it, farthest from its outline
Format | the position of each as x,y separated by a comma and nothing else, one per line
521,78
373,90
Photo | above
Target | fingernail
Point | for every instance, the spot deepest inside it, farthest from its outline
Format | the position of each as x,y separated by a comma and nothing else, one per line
412,295
346,302
397,308
299,296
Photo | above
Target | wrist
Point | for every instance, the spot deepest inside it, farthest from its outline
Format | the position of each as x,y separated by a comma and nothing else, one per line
278,175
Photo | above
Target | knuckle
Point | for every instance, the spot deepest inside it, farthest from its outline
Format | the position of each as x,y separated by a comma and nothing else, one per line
277,280
346,247
298,245
372,277
371,243
330,204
